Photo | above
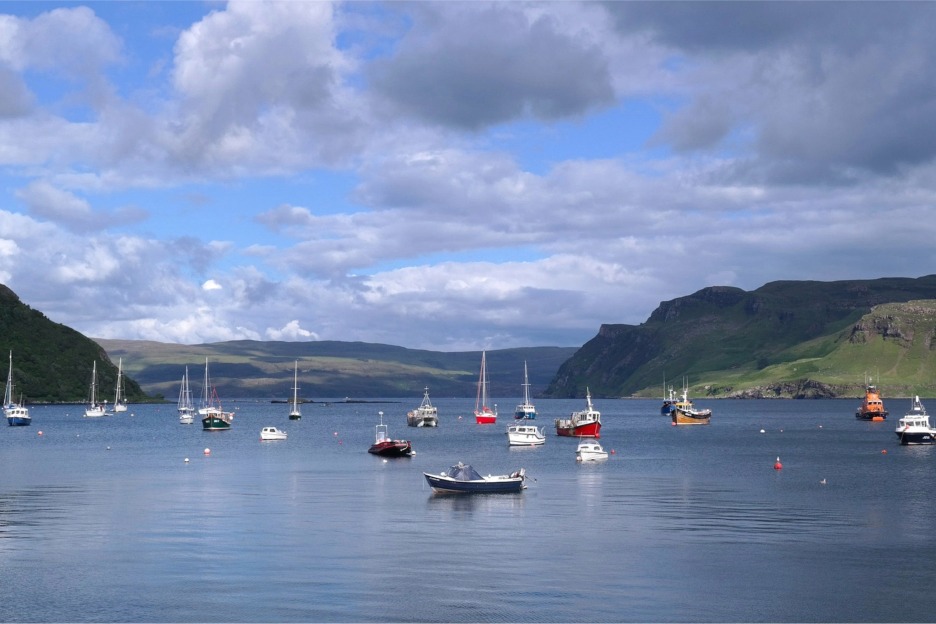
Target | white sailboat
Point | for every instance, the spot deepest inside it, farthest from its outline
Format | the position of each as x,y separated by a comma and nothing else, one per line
526,410
484,415
16,414
186,406
120,394
294,413
95,409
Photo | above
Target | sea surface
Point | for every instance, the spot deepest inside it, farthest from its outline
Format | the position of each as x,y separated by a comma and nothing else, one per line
103,520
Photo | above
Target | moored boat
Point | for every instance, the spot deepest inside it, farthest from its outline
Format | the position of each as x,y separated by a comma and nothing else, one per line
385,446
17,414
214,418
272,433
120,393
582,424
463,479
590,451
95,409
426,415
294,413
685,413
526,410
525,435
484,415
669,402
872,407
186,407
914,426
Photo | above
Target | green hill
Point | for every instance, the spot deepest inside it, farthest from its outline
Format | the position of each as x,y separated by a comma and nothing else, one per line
52,362
784,339
246,368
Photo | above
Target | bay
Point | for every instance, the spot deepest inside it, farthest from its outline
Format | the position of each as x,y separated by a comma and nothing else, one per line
102,519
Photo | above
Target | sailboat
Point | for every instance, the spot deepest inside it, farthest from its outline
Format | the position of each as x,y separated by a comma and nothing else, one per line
95,409
484,415
186,407
214,418
120,394
294,413
525,410
16,414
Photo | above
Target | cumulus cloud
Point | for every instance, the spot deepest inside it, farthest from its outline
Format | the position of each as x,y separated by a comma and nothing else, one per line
291,332
460,174
471,65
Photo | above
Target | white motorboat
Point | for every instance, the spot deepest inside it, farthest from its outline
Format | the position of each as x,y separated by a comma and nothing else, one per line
426,415
590,451
914,426
272,433
525,435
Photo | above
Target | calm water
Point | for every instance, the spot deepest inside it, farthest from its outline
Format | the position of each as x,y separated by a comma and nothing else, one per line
102,520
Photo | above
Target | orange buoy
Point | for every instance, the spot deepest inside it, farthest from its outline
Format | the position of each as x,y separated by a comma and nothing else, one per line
884,452
778,465
207,451
612,451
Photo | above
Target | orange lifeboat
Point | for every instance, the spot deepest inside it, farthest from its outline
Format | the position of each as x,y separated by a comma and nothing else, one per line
872,407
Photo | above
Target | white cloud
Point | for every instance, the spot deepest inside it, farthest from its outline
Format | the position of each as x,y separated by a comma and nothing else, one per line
211,285
290,332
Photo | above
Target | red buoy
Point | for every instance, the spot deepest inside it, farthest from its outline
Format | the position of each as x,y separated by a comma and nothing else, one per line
778,465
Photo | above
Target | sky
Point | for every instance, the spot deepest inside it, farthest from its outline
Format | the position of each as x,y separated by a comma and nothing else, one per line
453,175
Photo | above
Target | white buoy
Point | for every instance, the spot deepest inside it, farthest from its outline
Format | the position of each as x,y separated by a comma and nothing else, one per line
762,431
207,451
186,460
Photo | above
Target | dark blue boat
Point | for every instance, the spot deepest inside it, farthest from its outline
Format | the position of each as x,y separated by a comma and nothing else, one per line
463,478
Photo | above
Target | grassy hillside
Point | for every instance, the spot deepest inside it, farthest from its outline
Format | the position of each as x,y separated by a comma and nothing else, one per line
894,345
329,369
729,342
52,362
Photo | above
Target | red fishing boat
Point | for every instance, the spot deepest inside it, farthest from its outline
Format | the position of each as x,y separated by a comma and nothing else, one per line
583,424
386,447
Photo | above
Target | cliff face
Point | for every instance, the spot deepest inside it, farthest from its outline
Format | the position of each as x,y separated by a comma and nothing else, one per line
721,329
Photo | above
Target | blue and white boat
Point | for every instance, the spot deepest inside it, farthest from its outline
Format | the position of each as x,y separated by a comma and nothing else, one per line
462,478
16,414
526,410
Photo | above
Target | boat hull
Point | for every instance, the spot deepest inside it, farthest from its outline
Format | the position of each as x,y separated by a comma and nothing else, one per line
19,421
414,419
391,448
590,456
908,438
861,414
525,414
485,418
491,485
681,417
568,430
295,416
215,423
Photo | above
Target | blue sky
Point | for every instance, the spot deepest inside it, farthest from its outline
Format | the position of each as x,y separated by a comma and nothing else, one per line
452,175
